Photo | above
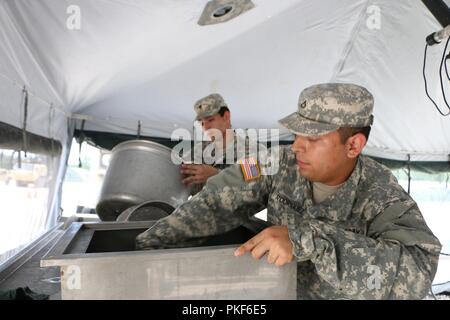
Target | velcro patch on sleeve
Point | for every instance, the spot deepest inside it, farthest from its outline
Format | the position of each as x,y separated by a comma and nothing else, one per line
250,169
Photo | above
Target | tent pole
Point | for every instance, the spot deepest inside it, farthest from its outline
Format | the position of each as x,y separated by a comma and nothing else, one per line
139,130
409,173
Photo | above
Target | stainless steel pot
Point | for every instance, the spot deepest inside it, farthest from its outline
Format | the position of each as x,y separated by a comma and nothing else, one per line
139,171
147,211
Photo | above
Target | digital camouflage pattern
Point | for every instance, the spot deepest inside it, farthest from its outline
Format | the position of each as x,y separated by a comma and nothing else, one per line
366,241
210,156
209,105
324,108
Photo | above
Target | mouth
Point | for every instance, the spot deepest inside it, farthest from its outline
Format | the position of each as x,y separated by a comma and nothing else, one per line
301,163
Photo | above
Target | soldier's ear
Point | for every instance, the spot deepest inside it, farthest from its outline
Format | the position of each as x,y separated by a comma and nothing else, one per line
355,145
227,115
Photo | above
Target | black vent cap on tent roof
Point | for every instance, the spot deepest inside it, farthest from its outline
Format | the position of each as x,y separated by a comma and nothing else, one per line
218,11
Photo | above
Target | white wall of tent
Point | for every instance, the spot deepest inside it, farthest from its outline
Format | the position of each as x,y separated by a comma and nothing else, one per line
119,62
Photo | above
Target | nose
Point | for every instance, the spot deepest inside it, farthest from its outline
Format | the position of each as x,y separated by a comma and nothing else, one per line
299,144
205,126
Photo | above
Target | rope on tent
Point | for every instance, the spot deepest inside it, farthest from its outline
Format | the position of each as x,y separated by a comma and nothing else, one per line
139,130
128,127
51,115
34,95
25,116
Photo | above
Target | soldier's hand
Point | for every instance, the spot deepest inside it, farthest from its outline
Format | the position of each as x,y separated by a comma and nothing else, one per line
197,173
274,240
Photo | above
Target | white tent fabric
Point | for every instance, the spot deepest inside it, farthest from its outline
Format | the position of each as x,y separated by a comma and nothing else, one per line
149,61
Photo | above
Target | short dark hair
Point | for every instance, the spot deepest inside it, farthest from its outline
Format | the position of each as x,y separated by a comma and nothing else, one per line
222,110
347,132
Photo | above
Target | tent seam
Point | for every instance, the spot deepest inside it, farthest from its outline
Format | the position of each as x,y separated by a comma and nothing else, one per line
24,40
350,43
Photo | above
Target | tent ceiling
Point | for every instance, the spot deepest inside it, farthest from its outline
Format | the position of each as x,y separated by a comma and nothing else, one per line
150,61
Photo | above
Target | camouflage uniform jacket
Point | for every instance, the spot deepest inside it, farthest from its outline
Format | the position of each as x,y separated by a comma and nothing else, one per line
220,163
366,241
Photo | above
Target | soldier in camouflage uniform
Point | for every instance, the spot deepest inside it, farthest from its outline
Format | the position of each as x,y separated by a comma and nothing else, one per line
213,113
342,217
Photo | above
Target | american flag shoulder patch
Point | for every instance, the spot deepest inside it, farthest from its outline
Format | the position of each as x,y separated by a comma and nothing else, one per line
250,169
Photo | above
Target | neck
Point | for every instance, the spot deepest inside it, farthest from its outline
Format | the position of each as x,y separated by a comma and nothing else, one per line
343,174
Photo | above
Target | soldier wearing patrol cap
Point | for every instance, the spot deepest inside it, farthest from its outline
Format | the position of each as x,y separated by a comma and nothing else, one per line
215,118
341,216
209,106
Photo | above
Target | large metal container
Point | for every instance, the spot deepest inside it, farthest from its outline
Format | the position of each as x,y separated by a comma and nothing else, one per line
146,211
97,261
139,171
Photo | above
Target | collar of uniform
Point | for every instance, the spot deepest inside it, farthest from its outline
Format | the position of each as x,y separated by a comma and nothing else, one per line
342,201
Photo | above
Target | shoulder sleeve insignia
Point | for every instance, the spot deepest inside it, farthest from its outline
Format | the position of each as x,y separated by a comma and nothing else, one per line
250,169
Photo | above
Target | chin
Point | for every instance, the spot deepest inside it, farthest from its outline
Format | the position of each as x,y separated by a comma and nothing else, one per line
308,175
303,173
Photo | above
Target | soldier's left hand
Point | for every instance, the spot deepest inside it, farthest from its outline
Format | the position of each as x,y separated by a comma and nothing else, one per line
274,240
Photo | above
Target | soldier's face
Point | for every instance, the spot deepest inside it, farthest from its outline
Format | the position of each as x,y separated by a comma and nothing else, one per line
218,122
322,158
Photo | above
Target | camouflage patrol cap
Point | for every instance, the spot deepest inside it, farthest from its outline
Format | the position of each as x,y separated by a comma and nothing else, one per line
324,108
209,105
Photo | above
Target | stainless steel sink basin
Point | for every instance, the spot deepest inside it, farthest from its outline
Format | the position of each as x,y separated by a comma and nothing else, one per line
98,261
